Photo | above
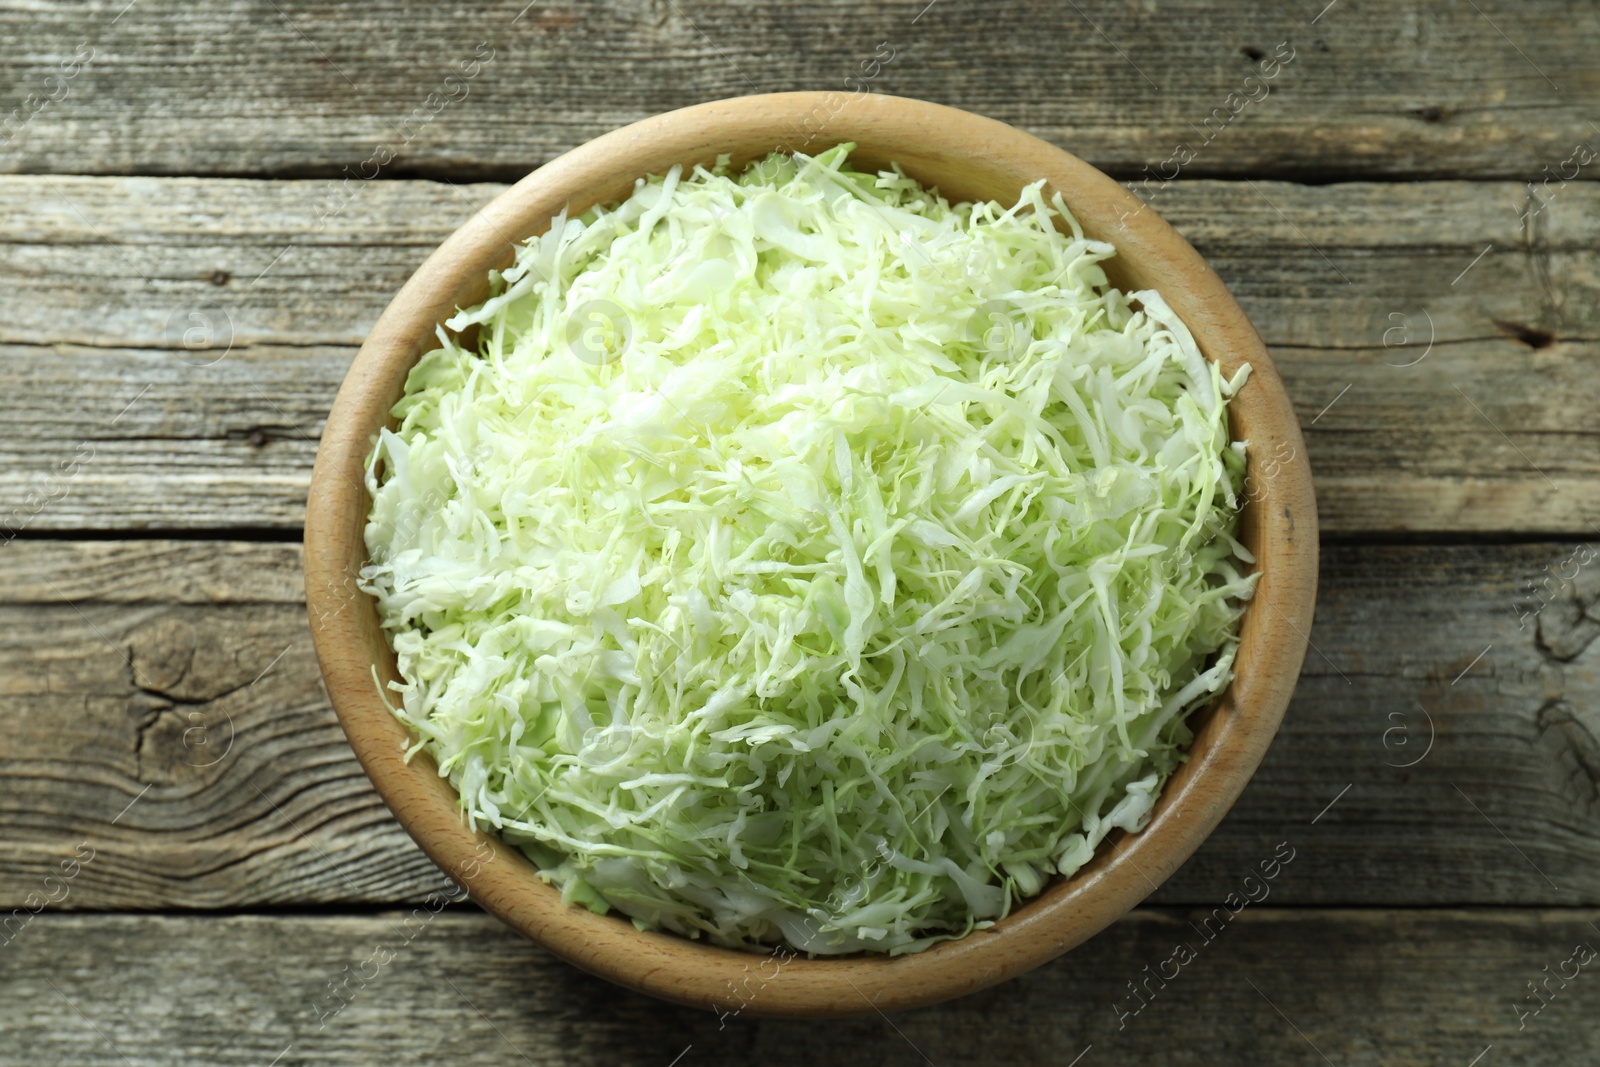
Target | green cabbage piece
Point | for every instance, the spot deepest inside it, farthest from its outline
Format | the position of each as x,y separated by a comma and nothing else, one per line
792,555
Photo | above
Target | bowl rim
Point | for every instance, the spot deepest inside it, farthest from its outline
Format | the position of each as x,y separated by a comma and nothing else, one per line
972,154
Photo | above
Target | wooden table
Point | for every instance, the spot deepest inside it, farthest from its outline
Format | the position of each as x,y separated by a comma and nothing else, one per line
184,285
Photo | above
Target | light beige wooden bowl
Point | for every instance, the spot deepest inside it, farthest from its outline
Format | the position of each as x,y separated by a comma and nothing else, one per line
967,157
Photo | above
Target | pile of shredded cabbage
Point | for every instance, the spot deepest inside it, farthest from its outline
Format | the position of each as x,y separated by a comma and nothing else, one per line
791,555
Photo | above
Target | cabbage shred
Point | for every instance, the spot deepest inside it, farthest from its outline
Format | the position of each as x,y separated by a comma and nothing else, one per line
793,555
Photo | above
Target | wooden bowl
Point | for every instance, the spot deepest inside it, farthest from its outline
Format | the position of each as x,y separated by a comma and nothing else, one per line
967,157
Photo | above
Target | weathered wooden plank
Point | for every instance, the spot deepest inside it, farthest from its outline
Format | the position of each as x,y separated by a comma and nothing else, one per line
224,88
1273,986
172,345
153,572
178,677
127,262
141,439
164,706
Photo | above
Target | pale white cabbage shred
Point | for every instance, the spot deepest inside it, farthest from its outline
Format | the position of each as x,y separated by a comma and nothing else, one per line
791,555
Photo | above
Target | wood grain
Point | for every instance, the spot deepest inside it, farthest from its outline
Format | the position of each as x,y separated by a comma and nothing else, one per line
1505,798
1409,989
1489,89
1486,431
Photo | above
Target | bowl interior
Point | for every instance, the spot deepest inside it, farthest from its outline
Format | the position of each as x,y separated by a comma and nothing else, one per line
967,157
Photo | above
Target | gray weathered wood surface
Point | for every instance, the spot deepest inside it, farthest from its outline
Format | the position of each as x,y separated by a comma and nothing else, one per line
1414,90
1276,986
178,314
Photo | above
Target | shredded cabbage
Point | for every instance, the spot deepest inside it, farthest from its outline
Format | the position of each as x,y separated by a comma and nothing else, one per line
791,555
